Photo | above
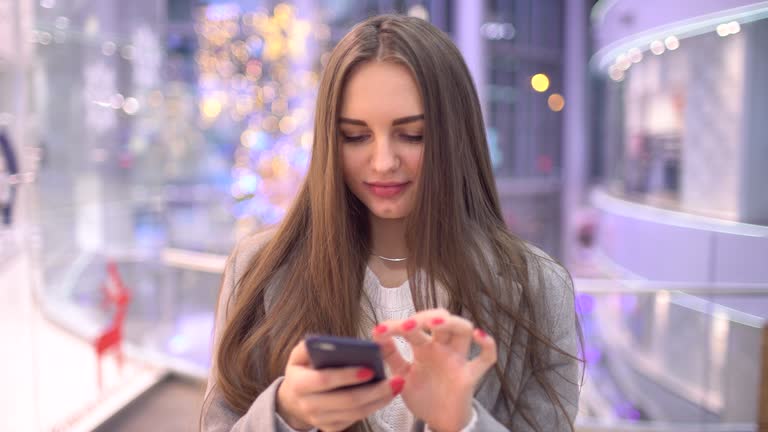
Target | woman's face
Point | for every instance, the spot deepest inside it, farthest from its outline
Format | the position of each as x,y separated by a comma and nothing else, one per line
381,133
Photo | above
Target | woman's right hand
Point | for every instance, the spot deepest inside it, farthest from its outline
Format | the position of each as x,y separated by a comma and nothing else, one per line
306,397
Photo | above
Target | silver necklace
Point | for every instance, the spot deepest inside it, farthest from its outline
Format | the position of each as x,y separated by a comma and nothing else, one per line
390,259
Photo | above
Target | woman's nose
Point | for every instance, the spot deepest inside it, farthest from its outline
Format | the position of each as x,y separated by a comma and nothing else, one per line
384,158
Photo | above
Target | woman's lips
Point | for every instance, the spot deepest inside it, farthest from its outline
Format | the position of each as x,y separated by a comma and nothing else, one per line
387,190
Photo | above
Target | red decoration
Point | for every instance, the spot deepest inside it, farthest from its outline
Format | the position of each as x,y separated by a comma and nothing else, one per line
115,294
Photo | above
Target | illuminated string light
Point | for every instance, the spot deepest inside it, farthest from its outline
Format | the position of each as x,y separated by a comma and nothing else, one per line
61,23
623,62
131,106
211,108
556,102
108,48
729,28
117,100
252,71
616,74
657,47
672,43
540,82
419,11
45,38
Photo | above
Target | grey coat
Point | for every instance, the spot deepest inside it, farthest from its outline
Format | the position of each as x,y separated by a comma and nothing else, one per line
554,296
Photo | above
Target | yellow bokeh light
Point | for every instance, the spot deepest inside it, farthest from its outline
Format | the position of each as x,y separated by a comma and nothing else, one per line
279,167
287,125
274,48
297,47
211,108
283,14
271,28
556,102
540,82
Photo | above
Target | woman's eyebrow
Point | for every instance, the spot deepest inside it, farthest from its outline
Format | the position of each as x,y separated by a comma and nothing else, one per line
395,122
409,119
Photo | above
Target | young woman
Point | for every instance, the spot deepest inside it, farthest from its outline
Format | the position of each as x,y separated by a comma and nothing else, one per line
396,235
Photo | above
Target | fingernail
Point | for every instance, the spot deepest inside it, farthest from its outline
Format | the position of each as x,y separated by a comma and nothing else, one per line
364,374
437,321
409,325
396,384
381,328
481,333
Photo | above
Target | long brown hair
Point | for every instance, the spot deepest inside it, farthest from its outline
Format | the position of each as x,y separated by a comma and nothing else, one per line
456,235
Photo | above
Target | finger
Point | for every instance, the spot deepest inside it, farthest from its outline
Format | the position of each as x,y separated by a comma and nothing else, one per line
409,329
390,354
452,330
355,399
461,333
299,355
440,333
426,316
345,407
310,381
479,365
412,330
433,319
422,319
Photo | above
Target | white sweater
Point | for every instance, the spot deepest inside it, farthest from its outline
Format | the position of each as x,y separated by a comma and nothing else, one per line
391,304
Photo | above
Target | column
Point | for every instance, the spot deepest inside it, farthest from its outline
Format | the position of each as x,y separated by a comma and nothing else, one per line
574,123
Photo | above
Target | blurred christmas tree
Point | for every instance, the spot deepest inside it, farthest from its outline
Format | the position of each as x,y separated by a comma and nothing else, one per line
258,74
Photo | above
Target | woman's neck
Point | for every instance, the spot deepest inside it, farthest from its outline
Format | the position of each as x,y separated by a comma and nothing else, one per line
388,237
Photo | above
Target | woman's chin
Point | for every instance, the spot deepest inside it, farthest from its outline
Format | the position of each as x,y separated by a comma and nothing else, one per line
388,213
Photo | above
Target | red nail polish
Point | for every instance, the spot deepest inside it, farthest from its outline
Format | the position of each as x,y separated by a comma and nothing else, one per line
409,325
381,328
481,333
364,374
396,384
437,321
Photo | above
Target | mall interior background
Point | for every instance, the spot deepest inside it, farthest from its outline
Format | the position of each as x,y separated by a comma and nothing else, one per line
139,140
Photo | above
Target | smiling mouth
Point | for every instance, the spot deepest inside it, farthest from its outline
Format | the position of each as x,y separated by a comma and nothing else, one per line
387,190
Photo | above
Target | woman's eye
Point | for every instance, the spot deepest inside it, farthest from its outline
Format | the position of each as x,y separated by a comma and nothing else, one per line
413,138
354,138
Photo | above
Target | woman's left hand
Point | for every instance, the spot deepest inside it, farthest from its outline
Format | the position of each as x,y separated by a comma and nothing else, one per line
441,380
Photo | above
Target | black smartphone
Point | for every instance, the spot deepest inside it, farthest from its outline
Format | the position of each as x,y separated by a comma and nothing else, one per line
336,351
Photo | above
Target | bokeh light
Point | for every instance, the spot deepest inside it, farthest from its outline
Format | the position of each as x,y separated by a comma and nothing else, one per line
556,102
672,43
540,82
657,47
